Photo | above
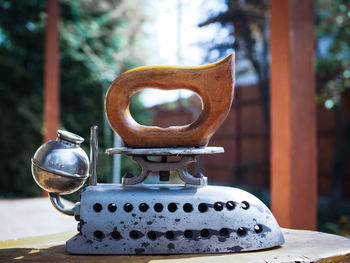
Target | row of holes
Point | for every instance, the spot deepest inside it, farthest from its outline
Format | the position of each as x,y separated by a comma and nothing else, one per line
224,232
172,207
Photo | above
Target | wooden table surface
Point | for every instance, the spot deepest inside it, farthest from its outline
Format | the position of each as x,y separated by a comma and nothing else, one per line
300,246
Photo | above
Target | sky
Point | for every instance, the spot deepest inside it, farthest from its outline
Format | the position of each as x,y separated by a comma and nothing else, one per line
173,27
174,38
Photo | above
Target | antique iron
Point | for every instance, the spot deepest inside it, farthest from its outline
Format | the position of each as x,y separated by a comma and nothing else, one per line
135,217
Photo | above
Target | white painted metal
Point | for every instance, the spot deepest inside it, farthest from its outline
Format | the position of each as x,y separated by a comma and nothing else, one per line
248,226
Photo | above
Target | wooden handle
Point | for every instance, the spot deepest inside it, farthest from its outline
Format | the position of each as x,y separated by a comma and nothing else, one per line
213,83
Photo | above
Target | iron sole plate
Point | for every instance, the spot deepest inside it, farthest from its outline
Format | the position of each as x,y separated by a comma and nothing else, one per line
233,221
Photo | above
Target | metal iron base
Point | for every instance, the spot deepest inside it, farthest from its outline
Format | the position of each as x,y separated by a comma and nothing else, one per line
168,219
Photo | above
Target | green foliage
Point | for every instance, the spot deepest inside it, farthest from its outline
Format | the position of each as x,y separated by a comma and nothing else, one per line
333,81
333,53
102,41
247,26
21,66
98,41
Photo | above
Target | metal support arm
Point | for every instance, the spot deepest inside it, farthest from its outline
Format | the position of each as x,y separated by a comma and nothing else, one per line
56,202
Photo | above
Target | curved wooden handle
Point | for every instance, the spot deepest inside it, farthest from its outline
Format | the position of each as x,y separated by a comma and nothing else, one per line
213,83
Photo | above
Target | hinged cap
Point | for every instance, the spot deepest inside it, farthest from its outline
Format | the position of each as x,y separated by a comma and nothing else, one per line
70,137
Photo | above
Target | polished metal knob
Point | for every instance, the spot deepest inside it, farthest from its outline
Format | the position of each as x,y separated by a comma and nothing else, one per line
61,166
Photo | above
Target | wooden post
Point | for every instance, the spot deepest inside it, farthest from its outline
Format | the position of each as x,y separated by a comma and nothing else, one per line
293,114
51,71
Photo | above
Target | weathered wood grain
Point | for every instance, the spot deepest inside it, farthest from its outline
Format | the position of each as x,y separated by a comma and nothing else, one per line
293,114
214,83
300,246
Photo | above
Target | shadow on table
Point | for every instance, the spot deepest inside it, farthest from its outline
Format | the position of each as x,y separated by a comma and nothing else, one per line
59,254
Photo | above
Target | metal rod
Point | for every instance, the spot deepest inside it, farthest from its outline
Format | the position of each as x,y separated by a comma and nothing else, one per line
116,160
56,202
93,155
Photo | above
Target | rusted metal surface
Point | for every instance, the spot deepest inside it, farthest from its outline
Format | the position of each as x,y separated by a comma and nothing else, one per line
293,114
51,72
168,219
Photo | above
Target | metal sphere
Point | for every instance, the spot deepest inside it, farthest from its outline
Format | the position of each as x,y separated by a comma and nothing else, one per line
61,166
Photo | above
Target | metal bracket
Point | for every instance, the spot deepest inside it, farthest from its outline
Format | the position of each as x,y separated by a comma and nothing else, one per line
152,166
188,155
56,202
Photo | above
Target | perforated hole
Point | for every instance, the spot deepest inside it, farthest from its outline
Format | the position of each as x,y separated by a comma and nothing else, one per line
169,235
143,207
97,207
241,231
112,208
128,207
218,206
99,234
245,205
188,233
258,228
205,233
188,208
202,207
158,207
152,235
134,234
172,207
230,205
116,235
224,232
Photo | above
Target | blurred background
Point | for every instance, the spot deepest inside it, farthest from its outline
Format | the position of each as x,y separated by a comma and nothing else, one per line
98,40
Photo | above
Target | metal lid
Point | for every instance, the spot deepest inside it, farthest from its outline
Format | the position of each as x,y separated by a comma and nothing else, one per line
69,136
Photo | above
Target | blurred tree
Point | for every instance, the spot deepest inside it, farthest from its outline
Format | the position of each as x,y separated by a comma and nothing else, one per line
98,41
248,35
333,83
333,50
247,24
102,38
21,67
